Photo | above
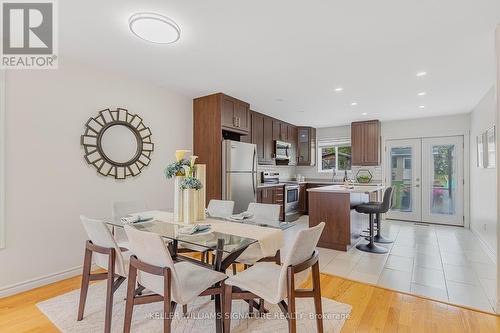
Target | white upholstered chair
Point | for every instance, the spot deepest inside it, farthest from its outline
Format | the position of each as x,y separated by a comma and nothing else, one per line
275,283
122,209
269,212
220,208
109,255
173,283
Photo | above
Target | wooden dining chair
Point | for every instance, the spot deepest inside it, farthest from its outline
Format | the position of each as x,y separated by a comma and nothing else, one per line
275,283
108,255
153,267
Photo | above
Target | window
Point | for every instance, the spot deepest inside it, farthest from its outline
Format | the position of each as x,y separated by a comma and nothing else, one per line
334,154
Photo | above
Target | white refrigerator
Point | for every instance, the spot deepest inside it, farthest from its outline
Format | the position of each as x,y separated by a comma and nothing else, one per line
239,173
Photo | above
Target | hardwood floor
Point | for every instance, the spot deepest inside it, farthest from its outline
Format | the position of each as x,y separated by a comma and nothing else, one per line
374,310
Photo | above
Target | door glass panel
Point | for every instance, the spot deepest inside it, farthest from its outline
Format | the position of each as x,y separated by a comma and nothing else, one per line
444,180
402,178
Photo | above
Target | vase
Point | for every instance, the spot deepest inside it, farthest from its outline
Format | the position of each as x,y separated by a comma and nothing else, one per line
201,175
178,211
190,203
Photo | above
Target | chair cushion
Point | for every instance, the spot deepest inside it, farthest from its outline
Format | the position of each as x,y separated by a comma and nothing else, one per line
193,279
261,279
369,208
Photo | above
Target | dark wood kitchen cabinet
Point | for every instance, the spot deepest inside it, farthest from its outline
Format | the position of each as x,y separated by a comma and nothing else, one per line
213,115
262,136
306,146
365,142
235,114
280,130
302,198
292,138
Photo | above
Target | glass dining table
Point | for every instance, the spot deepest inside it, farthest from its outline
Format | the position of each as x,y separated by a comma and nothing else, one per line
226,247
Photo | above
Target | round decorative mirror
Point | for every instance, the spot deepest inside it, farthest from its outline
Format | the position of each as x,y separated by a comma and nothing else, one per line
117,143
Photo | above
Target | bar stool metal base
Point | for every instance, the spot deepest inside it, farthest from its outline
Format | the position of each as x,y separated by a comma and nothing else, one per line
380,239
372,248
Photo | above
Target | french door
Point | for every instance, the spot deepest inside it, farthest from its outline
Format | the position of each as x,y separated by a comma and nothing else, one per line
427,177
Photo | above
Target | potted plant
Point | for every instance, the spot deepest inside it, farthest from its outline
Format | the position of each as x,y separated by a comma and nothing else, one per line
176,170
190,185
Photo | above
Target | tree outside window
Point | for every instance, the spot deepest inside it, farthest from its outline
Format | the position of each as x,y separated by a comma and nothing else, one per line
338,157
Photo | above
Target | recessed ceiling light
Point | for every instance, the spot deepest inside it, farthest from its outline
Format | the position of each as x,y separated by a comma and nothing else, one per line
422,93
354,103
421,107
339,89
154,28
301,111
364,114
279,100
420,74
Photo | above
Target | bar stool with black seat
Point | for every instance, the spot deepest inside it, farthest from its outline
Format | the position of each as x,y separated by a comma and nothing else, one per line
375,208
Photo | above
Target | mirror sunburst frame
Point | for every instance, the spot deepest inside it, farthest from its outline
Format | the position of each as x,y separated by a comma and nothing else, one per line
91,141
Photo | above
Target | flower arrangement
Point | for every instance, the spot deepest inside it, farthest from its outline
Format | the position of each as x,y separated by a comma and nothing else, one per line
190,182
177,168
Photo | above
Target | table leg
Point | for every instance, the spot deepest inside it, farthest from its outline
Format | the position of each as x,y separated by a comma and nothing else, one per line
218,267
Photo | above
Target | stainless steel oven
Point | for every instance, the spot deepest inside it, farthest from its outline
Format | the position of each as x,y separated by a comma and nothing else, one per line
291,202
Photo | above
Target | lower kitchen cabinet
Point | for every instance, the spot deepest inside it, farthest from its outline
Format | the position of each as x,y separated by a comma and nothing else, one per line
273,195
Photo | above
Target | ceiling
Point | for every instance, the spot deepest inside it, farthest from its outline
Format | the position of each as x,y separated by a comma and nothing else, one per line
286,57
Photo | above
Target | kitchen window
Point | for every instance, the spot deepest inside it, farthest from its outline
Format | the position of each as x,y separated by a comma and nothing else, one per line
334,153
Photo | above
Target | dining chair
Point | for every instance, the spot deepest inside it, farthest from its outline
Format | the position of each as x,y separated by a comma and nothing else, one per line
220,208
109,255
268,212
275,283
122,209
172,283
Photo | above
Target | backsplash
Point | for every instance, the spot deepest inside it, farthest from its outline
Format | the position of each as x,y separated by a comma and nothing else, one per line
287,172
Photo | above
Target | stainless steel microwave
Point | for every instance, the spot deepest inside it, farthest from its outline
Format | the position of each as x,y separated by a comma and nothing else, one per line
283,150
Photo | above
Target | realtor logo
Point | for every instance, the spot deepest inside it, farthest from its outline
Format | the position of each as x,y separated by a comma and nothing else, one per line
28,35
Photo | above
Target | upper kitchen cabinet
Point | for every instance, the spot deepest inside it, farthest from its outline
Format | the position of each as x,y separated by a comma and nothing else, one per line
262,136
292,138
365,142
306,147
280,130
235,114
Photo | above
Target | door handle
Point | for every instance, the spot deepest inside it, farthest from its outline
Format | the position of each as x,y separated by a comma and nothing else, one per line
417,185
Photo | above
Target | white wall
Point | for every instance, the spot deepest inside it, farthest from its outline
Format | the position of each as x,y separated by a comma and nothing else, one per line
483,191
48,183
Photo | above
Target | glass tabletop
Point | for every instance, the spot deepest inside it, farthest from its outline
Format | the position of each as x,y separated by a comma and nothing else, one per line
198,241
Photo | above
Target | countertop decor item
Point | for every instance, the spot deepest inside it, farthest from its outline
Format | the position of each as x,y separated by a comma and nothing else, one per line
364,176
117,143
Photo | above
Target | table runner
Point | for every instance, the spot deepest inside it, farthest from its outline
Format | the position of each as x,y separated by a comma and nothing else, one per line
270,239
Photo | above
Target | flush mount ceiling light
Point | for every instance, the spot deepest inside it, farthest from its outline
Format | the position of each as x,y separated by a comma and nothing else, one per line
421,107
364,114
422,93
339,89
354,103
154,28
420,74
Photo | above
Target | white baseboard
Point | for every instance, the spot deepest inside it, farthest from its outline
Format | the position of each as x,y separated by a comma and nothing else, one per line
489,251
38,282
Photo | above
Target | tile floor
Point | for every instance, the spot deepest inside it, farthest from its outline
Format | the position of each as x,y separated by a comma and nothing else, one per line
440,262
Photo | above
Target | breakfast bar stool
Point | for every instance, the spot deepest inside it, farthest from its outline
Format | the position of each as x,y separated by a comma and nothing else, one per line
375,208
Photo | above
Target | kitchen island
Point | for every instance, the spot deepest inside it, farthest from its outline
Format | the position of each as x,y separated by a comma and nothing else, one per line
335,205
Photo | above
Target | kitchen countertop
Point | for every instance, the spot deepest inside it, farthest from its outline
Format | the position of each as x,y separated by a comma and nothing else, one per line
326,181
264,185
342,189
